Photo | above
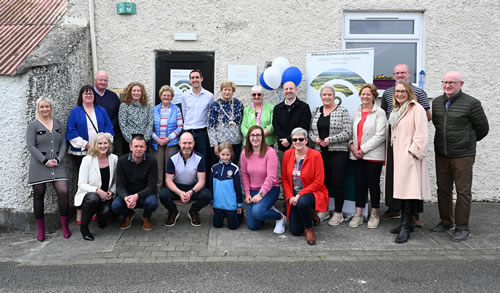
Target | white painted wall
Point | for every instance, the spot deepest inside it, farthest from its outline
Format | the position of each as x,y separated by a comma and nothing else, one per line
458,35
56,69
13,124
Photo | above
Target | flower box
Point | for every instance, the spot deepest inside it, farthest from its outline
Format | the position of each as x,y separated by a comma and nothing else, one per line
383,84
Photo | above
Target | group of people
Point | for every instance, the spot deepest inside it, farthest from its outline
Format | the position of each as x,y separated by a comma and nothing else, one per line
218,152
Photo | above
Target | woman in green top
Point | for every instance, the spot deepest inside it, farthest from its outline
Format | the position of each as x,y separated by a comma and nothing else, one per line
260,114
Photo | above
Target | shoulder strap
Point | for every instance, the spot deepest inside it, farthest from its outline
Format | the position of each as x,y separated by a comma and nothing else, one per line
95,128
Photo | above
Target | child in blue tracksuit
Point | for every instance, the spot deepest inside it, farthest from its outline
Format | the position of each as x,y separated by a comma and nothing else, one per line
225,186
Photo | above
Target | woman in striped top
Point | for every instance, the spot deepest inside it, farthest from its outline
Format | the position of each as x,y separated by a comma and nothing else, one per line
167,126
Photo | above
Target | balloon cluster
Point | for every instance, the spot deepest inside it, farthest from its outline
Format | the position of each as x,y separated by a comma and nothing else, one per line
279,73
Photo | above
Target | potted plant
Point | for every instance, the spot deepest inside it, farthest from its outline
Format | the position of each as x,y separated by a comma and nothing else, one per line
383,82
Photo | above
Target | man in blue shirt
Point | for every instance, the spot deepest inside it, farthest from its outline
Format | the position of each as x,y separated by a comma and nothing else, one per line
185,181
195,104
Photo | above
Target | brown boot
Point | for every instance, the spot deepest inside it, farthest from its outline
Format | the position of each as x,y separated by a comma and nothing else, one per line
310,237
315,218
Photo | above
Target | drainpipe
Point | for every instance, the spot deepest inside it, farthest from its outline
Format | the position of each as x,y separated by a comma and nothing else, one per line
92,37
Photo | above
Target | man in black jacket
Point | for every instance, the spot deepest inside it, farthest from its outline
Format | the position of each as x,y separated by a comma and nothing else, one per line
136,176
288,115
460,122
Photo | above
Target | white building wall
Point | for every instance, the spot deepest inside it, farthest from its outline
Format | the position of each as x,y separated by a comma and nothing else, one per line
56,69
458,35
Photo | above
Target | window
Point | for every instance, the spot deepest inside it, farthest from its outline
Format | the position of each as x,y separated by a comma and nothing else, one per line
396,37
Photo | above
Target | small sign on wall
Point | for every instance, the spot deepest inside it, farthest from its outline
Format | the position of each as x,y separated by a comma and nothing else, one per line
125,8
245,75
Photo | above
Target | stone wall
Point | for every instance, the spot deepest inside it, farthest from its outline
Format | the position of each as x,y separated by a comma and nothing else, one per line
56,69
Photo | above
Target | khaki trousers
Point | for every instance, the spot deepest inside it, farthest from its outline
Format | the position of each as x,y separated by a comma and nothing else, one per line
456,171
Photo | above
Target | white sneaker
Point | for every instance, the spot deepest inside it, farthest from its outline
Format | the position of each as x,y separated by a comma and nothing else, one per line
280,225
373,222
336,219
356,221
323,216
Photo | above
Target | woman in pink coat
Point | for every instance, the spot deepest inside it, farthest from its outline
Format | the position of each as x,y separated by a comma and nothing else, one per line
409,139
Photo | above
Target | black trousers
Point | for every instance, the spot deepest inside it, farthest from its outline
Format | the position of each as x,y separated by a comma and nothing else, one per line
335,164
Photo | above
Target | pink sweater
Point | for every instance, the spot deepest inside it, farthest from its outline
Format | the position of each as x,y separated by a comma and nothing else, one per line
259,173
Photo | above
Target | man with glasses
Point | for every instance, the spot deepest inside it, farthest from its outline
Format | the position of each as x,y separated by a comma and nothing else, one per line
460,122
401,73
195,103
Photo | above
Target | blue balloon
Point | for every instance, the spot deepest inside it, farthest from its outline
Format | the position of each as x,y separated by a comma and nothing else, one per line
263,83
292,74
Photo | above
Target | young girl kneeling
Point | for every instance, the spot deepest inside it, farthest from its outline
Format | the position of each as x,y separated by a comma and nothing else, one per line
225,186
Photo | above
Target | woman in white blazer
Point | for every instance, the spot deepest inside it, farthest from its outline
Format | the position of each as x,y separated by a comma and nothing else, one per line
368,153
96,184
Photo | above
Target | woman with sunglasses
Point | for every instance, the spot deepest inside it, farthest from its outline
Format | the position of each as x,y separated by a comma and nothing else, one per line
259,114
303,175
331,131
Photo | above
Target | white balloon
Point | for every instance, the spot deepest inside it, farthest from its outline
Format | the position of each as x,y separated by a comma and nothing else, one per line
272,77
281,63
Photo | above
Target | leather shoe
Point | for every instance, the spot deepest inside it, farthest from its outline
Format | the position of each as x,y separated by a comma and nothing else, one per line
148,225
172,218
127,221
88,237
391,214
440,228
101,222
460,235
398,229
316,220
310,237
417,222
194,217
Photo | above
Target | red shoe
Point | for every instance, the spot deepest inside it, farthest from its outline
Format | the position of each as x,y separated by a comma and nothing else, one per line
78,222
94,218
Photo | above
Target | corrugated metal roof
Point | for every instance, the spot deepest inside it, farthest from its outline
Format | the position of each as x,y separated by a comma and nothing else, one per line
23,25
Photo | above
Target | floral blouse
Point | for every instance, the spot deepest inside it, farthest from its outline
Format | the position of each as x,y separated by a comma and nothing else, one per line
224,121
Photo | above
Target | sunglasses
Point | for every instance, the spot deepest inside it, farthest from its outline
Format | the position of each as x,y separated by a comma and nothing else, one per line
298,139
256,95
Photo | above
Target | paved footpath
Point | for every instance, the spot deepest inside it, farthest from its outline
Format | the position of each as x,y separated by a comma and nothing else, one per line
184,243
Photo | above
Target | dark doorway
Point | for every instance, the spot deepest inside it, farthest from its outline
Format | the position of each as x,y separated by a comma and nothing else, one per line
168,61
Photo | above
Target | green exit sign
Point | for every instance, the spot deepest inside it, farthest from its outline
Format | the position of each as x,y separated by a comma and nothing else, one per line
125,8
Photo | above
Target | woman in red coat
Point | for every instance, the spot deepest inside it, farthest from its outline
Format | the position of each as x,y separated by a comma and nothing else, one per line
302,175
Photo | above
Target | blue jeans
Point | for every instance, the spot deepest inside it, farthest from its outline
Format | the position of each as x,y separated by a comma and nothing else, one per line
233,219
148,203
257,213
202,146
301,214
201,199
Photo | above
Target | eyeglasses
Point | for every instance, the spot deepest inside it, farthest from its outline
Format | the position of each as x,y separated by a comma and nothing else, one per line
256,94
255,135
450,82
298,139
400,91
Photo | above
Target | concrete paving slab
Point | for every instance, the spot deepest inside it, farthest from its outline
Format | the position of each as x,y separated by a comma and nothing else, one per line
185,243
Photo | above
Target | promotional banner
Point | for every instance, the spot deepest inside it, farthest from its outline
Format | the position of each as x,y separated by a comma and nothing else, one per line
179,81
347,71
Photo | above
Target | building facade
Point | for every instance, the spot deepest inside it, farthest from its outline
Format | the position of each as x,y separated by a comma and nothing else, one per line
435,36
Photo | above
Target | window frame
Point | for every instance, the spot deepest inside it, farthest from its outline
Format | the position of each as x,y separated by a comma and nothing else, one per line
416,37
